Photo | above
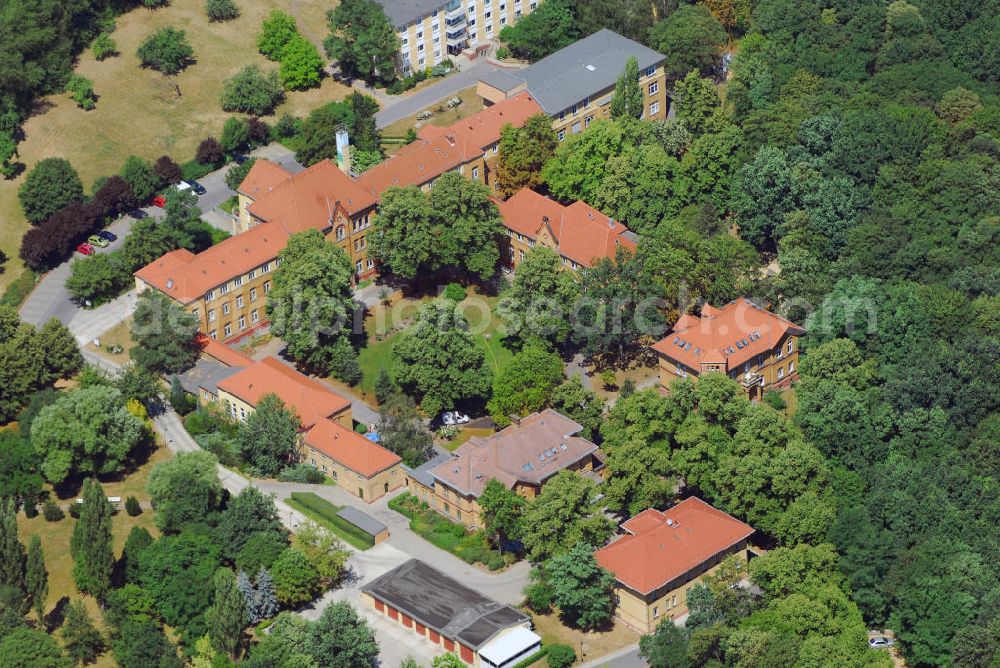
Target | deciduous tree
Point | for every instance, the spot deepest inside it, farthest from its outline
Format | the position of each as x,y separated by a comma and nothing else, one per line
164,334
362,40
301,65
276,31
227,617
402,430
12,554
627,99
564,514
691,39
580,587
249,513
93,556
50,185
140,175
186,490
523,151
268,438
542,32
36,578
167,51
503,512
296,580
341,638
252,91
81,638
526,384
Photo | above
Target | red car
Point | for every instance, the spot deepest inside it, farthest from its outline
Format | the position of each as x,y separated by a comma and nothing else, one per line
160,201
85,249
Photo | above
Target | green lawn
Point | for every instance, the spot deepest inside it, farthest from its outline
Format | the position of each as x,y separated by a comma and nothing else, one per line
324,513
385,324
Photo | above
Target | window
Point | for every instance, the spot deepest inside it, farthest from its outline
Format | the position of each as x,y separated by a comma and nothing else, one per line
437,39
420,34
656,611
243,414
371,263
649,71
254,316
358,266
561,135
576,127
790,343
791,368
341,232
243,322
654,109
475,172
496,147
223,289
253,294
267,287
489,28
587,120
266,268
239,302
521,255
211,315
654,87
420,60
214,334
781,372
488,15
681,371
404,41
228,329
225,309
420,47
253,272
503,20
238,281
209,296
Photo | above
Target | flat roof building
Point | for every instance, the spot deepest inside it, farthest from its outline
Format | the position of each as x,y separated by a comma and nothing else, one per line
478,629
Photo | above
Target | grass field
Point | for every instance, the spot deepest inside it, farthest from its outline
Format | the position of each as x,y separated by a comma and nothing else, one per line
119,335
138,111
55,537
471,103
588,645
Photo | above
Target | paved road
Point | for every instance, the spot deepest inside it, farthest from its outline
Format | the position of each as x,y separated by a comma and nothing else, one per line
574,368
398,109
624,658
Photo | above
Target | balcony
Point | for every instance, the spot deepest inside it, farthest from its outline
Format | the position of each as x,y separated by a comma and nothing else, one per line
454,15
456,37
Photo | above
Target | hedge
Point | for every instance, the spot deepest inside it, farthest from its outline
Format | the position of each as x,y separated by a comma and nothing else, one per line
326,513
534,658
470,547
19,289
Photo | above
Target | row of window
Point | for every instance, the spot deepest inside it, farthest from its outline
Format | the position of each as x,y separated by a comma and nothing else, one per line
239,301
238,281
227,329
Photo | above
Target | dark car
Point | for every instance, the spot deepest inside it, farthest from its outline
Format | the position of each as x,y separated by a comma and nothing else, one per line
196,187
239,158
107,236
138,214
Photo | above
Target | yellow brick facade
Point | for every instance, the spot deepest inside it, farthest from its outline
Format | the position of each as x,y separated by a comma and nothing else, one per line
579,116
368,489
777,368
643,612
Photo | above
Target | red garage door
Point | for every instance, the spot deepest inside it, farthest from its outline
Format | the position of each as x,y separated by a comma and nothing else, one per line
435,637
449,645
466,654
407,622
392,613
421,629
379,606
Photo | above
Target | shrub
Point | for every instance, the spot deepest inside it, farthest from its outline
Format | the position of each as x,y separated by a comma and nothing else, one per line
538,597
82,90
104,47
166,51
51,511
503,53
74,511
167,170
132,507
236,173
30,508
252,91
775,400
235,134
221,10
258,131
225,449
560,656
193,170
454,292
301,65
287,126
302,473
277,30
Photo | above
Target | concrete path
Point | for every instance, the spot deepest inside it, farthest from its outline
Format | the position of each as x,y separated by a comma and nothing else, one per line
627,657
88,324
575,369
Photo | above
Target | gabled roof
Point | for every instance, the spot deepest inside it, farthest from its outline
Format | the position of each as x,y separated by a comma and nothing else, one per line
439,150
537,448
186,277
733,335
582,232
262,178
308,199
663,546
350,449
312,401
222,352
583,69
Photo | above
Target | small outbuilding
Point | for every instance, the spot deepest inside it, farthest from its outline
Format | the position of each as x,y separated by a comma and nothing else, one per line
364,522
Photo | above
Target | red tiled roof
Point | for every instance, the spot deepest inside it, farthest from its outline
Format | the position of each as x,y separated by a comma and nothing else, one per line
262,178
308,199
534,450
439,150
582,232
311,400
222,352
350,449
186,277
656,552
732,335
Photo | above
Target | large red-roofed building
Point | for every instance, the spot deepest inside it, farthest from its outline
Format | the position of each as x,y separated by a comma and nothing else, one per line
750,344
664,553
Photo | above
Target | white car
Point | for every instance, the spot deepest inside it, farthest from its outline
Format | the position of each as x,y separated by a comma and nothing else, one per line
454,417
880,642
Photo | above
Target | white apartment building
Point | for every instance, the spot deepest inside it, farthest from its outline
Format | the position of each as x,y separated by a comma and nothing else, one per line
431,30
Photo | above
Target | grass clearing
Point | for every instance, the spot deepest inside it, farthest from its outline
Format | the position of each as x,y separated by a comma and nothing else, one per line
588,645
118,336
138,110
464,435
325,514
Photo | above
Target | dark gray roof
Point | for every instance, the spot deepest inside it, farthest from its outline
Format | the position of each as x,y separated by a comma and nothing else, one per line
583,69
363,521
403,12
442,603
501,80
207,372
422,473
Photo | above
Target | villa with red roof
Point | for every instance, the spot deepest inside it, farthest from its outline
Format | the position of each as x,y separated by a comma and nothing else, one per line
663,554
748,343
579,233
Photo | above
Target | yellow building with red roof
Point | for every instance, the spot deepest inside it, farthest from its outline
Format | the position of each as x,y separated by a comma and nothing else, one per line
750,344
663,554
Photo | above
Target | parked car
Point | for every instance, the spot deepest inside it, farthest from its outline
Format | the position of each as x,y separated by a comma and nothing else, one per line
239,158
85,249
107,235
454,417
138,214
160,201
880,642
97,240
196,187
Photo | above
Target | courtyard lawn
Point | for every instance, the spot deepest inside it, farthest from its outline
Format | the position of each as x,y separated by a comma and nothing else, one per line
139,111
470,547
118,336
464,435
588,645
443,115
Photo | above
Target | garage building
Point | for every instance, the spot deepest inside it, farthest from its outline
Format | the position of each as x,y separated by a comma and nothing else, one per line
478,629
